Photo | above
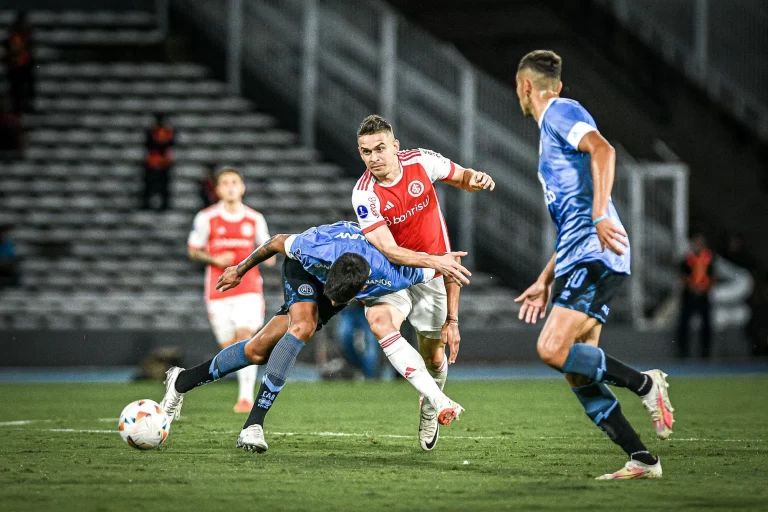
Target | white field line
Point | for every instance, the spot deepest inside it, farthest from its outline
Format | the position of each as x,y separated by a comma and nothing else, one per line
363,434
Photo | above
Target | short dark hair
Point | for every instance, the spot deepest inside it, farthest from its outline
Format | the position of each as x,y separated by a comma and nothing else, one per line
228,170
346,277
545,62
374,123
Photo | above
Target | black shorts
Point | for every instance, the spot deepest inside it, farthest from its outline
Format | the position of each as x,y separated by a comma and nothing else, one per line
588,287
301,286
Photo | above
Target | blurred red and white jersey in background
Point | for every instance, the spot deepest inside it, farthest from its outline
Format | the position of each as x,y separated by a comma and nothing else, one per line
217,232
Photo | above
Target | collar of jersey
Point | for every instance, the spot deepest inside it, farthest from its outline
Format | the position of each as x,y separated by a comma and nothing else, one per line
551,100
397,180
231,217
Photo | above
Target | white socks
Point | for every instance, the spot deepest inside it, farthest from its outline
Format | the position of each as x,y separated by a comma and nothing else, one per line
408,362
246,379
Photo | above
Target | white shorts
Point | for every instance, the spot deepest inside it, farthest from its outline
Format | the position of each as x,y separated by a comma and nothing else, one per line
425,306
229,314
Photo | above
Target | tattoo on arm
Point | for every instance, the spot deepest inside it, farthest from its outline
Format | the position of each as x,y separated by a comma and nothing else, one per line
262,253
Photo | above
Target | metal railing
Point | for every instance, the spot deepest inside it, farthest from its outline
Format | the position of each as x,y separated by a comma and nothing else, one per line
721,46
340,60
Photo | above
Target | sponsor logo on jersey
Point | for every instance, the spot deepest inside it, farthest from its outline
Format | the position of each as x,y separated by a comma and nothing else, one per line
306,290
415,188
389,205
380,282
362,211
408,213
221,230
246,229
350,236
231,243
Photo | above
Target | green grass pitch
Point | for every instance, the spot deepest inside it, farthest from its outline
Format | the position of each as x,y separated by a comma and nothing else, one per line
352,446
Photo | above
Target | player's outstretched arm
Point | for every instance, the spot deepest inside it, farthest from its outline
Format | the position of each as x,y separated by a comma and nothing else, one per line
444,264
471,180
232,275
536,297
219,260
603,172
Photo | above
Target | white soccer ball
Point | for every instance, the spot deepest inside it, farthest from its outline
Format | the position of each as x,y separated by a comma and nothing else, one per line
143,424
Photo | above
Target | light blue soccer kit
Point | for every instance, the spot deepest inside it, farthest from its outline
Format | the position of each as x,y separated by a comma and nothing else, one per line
586,277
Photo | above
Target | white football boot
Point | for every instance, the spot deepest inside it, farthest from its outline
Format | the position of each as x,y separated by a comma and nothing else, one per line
251,439
172,400
658,404
447,410
634,469
429,429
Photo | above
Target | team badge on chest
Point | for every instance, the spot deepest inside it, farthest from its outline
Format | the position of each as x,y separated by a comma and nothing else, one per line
415,188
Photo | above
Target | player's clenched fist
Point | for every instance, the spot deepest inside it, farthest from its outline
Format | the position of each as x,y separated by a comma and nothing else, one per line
228,280
481,181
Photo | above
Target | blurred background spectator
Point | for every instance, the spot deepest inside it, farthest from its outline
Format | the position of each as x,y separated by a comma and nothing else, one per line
207,188
158,165
11,134
10,274
18,59
697,271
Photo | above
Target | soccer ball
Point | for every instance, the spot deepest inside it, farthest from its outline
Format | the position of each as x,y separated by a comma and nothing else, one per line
144,425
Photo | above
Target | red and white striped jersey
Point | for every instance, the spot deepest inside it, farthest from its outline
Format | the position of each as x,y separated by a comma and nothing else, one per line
218,231
409,206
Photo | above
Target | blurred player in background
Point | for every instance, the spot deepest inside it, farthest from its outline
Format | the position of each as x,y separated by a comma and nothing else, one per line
222,234
576,169
397,208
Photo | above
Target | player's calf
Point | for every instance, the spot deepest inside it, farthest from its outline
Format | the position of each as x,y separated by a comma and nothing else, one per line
604,410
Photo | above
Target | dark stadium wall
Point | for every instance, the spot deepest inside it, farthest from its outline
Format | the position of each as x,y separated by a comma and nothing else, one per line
41,348
83,5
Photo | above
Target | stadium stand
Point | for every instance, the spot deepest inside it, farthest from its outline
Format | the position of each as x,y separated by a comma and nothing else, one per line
91,260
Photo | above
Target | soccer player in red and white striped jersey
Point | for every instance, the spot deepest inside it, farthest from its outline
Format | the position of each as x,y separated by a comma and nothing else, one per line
224,233
398,209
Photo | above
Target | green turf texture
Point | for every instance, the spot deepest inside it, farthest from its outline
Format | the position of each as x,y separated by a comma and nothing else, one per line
541,451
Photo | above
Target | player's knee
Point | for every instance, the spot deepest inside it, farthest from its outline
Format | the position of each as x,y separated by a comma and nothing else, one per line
552,349
433,358
303,329
381,324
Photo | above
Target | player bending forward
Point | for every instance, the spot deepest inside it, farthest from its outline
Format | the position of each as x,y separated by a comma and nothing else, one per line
576,169
326,267
222,234
397,207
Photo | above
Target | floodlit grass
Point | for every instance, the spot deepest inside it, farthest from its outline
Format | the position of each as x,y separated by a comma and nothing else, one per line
522,445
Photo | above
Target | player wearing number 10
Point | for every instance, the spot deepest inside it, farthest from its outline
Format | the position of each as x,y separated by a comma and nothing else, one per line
576,169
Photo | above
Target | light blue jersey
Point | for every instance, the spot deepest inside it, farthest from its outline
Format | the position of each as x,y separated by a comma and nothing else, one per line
566,177
317,249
